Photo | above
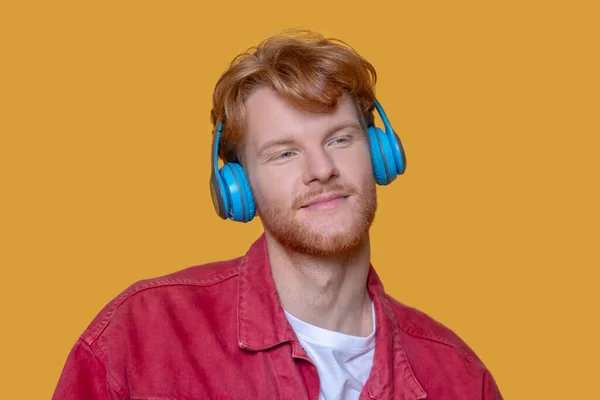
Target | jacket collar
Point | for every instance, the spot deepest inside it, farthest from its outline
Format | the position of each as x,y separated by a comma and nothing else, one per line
399,381
262,324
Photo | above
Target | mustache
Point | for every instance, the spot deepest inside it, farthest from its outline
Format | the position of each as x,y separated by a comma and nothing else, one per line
337,188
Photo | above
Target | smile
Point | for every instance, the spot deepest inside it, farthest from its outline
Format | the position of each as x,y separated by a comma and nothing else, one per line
325,202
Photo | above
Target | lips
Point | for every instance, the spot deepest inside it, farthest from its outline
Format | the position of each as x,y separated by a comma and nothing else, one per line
324,198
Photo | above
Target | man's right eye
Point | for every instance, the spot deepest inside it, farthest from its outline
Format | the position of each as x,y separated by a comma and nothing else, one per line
283,155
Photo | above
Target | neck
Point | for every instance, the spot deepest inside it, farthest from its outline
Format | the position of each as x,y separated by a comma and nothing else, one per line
328,292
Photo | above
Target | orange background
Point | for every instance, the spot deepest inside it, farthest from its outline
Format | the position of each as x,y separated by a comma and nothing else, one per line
494,229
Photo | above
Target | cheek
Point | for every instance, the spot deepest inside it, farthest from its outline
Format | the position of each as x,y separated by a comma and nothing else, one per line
272,188
358,168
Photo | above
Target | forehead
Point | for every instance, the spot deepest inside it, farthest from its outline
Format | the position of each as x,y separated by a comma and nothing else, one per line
269,116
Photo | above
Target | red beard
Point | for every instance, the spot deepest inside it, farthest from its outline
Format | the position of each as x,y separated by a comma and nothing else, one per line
292,233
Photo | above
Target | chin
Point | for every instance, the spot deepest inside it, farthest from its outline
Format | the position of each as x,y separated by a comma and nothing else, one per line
333,244
331,227
322,238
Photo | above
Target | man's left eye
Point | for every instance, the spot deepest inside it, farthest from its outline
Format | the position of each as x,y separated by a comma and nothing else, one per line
340,140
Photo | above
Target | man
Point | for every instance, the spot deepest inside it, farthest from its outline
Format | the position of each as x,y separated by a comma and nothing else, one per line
302,315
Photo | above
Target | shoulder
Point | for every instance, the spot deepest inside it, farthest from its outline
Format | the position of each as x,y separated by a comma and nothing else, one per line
422,327
143,296
443,363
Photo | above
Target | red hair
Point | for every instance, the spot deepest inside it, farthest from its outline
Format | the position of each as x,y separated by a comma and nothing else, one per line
308,70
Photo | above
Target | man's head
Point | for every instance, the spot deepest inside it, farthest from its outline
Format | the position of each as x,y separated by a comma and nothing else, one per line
294,112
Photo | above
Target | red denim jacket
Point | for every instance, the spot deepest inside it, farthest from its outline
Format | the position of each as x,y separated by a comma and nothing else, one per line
218,331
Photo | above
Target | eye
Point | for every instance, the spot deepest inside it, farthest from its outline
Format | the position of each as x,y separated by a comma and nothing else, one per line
342,140
282,156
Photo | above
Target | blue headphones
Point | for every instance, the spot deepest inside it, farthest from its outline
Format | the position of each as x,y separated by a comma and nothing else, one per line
231,193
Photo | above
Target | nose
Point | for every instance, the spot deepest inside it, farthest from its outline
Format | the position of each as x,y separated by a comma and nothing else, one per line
319,166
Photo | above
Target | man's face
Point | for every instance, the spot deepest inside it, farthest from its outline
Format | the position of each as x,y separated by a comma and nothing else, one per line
310,173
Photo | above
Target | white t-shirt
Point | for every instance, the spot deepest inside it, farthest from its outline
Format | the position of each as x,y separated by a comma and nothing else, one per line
343,361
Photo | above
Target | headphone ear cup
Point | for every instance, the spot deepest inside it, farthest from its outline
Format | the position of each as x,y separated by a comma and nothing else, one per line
241,200
220,198
248,207
388,155
398,152
377,156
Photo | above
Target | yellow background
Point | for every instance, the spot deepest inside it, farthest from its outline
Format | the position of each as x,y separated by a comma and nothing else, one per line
494,229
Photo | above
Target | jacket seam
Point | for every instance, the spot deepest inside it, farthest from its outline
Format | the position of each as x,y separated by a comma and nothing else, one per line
238,305
110,379
215,279
434,338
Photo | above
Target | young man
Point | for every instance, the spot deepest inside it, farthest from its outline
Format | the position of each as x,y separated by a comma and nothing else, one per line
302,315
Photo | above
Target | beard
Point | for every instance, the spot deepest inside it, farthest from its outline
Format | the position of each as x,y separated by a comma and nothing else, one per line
337,237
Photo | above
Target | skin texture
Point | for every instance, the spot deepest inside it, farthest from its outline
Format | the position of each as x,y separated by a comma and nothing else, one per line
313,183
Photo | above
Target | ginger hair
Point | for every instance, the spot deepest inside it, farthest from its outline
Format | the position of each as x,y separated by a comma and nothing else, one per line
309,71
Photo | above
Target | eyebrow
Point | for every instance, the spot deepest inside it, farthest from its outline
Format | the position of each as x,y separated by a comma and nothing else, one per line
287,141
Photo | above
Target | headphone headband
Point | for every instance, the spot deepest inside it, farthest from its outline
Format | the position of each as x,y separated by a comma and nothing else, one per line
384,118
